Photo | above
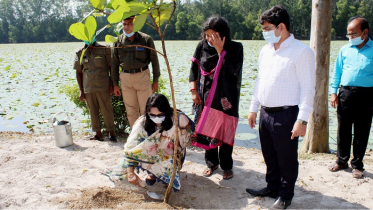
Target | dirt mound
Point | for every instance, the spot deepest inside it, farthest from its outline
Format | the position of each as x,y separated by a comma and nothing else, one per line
110,198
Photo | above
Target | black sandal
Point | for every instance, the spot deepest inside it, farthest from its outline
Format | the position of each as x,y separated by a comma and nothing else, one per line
151,181
96,138
113,139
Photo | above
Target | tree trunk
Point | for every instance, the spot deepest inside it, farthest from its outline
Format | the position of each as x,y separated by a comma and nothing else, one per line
317,136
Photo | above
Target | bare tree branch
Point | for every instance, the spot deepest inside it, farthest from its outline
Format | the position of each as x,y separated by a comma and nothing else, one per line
169,20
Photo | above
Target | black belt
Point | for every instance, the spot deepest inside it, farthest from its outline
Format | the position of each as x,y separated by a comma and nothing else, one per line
132,71
276,109
356,89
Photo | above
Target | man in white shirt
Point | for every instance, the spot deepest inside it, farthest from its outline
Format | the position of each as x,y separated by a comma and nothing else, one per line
285,88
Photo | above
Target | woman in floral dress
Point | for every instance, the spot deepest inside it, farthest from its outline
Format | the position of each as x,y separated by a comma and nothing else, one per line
150,146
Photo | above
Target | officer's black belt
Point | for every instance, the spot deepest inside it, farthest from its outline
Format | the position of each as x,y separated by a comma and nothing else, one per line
132,71
276,109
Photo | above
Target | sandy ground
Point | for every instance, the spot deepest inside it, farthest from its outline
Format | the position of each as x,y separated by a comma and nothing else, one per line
35,174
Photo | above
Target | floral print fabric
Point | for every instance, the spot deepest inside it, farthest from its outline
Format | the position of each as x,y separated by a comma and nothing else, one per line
154,153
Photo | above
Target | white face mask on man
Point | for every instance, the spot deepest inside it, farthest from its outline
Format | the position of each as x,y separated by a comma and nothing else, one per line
271,37
356,41
129,35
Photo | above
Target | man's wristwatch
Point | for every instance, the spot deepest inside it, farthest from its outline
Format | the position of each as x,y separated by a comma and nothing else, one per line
302,122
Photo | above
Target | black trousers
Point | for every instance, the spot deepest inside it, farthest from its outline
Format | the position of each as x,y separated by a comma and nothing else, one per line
279,151
355,108
222,156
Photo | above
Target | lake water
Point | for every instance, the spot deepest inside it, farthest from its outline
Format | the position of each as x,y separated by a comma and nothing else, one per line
32,74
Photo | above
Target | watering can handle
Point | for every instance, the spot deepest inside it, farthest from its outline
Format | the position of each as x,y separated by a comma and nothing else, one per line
68,117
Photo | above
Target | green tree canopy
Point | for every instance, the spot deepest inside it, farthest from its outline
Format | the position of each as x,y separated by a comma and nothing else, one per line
48,21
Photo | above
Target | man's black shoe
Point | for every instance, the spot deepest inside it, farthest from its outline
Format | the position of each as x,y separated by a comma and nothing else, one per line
280,204
263,192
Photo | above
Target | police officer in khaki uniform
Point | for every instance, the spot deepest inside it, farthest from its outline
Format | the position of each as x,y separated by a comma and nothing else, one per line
135,75
95,87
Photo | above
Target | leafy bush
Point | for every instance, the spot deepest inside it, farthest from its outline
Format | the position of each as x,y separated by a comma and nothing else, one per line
72,92
163,90
121,124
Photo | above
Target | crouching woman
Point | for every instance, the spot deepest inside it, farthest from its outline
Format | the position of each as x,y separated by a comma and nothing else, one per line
150,146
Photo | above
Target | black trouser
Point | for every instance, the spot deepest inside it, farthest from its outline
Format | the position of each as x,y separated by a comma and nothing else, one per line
279,151
222,156
355,107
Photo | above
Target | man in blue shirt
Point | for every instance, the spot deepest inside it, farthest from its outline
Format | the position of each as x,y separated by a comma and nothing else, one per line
354,72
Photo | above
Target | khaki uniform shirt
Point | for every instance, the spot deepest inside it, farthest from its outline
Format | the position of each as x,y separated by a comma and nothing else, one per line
134,57
96,68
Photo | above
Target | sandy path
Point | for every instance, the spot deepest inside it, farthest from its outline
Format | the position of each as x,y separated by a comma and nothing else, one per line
35,174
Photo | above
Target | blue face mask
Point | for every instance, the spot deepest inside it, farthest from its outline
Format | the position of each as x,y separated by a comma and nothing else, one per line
270,36
129,35
356,41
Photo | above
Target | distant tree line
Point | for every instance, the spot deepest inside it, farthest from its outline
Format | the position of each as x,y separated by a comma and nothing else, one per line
23,21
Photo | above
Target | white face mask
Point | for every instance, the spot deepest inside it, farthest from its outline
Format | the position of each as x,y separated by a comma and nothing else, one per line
270,36
210,44
129,35
356,41
157,119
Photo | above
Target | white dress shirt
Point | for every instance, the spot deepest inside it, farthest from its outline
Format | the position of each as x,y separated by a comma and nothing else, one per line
286,77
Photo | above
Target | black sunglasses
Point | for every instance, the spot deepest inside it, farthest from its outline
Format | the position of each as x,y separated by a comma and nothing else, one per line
155,115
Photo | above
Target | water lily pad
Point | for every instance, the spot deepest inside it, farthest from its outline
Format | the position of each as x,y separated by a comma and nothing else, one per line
30,90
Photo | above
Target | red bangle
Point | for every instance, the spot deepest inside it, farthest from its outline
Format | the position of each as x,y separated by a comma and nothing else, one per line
193,89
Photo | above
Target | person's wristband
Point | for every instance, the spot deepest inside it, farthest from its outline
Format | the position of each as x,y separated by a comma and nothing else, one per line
193,89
